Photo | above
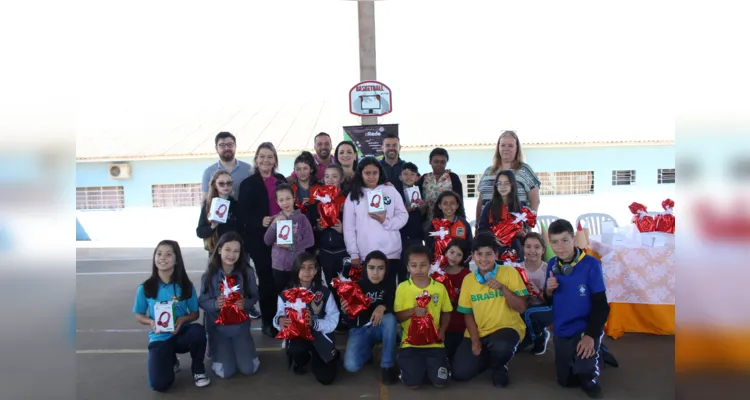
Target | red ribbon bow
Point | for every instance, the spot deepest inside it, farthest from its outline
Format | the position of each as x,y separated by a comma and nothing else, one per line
329,202
350,291
295,309
665,220
437,272
442,234
422,330
230,313
644,223
509,226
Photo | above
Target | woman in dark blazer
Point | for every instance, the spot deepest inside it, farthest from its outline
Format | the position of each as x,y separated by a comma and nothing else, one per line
258,202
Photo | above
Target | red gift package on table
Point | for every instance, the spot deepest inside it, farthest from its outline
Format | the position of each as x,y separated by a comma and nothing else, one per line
644,223
437,272
329,204
507,229
665,220
230,313
442,235
422,330
295,309
510,258
350,292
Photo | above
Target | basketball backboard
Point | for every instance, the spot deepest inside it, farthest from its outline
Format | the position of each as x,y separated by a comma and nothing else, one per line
370,99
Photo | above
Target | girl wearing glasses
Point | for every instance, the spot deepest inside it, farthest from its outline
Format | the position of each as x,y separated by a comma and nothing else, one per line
210,231
504,202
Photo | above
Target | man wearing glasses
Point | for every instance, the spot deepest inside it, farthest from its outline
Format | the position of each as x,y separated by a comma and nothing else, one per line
225,147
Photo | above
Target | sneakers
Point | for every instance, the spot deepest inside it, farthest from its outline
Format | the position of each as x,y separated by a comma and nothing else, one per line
253,314
299,369
500,380
540,344
201,380
389,376
177,366
593,390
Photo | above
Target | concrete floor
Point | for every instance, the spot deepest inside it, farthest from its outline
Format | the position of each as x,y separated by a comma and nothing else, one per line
111,352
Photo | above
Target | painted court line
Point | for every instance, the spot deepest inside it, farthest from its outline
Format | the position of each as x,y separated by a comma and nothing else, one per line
128,273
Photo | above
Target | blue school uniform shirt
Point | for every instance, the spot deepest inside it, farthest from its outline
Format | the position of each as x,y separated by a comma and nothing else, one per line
166,291
572,298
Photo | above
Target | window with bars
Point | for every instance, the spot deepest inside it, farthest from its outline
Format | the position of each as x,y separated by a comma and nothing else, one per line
623,177
666,175
564,183
471,185
100,198
176,195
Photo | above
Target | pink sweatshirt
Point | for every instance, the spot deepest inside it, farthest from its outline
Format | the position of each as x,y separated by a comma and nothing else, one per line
362,234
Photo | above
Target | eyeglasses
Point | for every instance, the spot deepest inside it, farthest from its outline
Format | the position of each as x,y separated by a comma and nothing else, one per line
227,144
224,184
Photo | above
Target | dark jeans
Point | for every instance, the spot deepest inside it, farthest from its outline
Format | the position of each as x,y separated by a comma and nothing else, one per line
303,353
572,370
498,348
452,341
333,264
261,255
419,363
281,280
537,317
162,355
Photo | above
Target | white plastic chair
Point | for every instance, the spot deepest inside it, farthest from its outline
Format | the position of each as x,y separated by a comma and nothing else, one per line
593,221
544,221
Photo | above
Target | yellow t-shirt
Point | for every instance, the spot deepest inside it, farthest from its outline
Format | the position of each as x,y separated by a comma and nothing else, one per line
491,311
406,298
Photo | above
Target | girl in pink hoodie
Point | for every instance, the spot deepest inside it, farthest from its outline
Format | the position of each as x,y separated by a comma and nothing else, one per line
365,231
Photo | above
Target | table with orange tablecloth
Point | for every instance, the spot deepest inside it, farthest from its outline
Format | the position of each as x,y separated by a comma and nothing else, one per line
640,288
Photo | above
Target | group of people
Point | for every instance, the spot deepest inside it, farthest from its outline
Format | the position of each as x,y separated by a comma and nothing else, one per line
486,317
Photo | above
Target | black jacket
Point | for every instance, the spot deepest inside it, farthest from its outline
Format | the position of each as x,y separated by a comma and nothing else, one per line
253,198
327,239
234,222
413,231
381,294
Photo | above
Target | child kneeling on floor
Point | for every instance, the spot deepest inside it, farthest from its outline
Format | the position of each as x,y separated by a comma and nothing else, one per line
321,353
232,345
575,289
430,361
491,299
169,283
376,324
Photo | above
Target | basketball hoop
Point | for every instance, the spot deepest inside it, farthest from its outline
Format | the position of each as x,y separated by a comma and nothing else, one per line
370,99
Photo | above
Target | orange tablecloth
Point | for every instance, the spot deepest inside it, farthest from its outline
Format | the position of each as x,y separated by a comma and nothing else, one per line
640,287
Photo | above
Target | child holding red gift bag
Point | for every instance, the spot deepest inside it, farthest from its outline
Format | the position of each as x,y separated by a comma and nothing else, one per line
169,282
491,300
323,314
282,255
449,209
455,255
498,211
228,293
428,358
375,325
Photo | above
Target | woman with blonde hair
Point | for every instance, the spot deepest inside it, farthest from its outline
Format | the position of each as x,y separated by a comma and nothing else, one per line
258,201
509,156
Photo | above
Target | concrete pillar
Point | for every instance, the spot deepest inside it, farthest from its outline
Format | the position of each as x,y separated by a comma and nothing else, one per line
367,57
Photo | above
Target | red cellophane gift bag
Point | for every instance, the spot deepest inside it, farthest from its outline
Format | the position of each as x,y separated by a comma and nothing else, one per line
422,330
510,258
437,272
295,308
329,203
442,234
665,220
351,292
507,229
644,223
230,313
355,273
